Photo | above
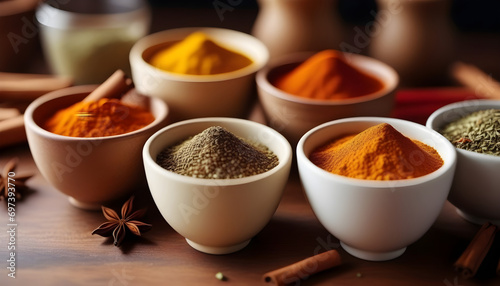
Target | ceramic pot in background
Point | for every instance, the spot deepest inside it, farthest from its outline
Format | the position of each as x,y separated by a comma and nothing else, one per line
89,40
18,34
289,26
416,38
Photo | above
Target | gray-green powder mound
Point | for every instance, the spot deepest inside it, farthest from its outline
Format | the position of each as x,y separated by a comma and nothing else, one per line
478,132
216,153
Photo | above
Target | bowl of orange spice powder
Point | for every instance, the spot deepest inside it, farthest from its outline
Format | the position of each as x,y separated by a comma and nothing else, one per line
300,91
91,150
200,71
377,184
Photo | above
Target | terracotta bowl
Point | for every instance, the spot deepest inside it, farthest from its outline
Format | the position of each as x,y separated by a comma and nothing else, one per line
293,116
217,216
475,190
193,96
375,220
91,171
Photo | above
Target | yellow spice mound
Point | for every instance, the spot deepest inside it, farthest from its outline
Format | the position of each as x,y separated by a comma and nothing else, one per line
197,54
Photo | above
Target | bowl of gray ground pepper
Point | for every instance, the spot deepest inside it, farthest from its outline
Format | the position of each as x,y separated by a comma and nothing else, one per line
217,181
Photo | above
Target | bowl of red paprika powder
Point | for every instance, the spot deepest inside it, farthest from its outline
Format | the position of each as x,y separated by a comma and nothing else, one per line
98,169
300,91
377,184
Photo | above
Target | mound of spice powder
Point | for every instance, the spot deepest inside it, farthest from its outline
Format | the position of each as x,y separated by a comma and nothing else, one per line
328,76
105,117
197,54
378,153
216,153
478,131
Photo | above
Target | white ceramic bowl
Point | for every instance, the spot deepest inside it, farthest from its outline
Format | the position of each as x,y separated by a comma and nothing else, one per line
192,96
375,220
475,190
293,115
217,216
91,171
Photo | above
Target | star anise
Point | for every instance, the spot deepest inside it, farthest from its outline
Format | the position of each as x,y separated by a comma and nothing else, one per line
9,180
117,227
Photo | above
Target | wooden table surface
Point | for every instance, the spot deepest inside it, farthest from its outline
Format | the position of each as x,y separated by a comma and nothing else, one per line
54,245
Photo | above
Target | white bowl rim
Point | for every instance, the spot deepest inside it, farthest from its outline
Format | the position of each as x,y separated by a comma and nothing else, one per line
448,164
69,91
476,104
140,46
263,83
283,162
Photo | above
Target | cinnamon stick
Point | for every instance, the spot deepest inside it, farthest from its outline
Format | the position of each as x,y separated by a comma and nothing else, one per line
470,260
303,268
115,86
6,113
476,79
27,87
12,131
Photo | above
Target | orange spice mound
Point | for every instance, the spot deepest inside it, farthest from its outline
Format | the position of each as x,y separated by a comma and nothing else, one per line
378,153
327,75
105,117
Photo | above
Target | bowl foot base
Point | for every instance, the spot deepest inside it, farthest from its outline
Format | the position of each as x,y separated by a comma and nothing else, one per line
83,205
475,219
217,250
372,256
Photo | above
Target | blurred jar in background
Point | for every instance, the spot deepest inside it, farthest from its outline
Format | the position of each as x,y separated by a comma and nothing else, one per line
90,39
289,26
416,38
18,35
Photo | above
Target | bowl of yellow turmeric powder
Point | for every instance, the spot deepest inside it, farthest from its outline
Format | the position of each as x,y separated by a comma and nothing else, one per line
91,150
377,184
199,71
300,91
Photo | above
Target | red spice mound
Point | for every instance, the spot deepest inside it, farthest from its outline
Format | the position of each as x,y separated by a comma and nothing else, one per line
105,117
327,75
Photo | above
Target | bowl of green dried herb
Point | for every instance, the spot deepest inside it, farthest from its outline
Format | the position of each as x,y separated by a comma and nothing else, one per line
217,181
473,127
